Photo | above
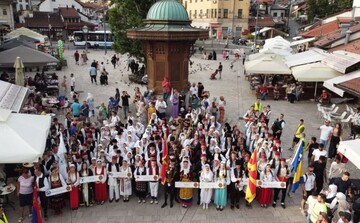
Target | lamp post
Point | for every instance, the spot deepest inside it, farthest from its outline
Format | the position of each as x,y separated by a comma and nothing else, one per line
49,29
256,26
104,21
85,30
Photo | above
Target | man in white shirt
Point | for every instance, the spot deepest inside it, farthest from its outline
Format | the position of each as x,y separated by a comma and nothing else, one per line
161,106
194,89
42,185
319,152
308,186
325,133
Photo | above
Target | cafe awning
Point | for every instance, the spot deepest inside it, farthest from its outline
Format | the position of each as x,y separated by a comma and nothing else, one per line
330,84
311,56
302,41
267,64
314,72
350,149
12,96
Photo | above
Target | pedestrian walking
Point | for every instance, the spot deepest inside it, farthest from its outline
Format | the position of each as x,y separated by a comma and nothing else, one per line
220,69
93,73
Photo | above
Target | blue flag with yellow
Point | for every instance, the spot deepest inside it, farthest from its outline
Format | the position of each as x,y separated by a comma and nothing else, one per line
297,166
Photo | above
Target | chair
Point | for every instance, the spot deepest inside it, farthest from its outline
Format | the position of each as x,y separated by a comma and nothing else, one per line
320,110
334,111
328,108
346,121
337,117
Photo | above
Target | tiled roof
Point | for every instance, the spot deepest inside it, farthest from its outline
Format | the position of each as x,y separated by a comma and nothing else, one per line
353,47
91,6
6,2
40,19
263,21
351,86
79,25
69,13
334,36
322,29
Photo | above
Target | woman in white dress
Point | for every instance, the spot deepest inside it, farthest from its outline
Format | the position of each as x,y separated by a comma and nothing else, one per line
125,183
205,195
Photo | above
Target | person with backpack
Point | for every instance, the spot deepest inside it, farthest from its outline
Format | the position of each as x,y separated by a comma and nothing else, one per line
356,208
278,126
308,186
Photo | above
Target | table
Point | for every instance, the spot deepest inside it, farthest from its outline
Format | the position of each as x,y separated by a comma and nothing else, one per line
5,191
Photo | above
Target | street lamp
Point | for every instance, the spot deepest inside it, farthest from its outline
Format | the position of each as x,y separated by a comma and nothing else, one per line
85,30
50,34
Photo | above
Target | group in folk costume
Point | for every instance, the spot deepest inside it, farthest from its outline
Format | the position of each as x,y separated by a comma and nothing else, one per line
222,177
100,186
265,194
141,186
236,186
186,175
73,180
86,188
206,176
113,183
282,174
56,180
125,182
153,170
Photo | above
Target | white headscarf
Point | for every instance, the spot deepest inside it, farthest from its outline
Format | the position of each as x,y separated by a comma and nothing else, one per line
332,191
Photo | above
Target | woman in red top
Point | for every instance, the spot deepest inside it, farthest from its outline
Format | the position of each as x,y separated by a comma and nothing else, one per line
166,88
74,180
282,175
100,186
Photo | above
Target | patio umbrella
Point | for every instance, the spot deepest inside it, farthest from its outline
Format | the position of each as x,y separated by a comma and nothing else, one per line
19,72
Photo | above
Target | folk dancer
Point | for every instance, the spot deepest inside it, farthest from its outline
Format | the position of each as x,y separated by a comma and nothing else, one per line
206,175
100,186
283,174
113,184
57,202
42,185
186,175
237,174
265,194
222,177
86,188
73,180
125,183
153,170
169,187
141,186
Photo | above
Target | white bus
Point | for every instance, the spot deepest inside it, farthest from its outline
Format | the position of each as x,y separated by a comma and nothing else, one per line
94,39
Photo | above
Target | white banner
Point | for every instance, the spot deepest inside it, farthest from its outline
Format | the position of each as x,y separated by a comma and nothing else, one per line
180,184
211,185
273,184
147,178
91,179
57,191
120,174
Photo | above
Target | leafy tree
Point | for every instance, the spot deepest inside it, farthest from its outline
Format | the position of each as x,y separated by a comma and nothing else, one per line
323,8
128,14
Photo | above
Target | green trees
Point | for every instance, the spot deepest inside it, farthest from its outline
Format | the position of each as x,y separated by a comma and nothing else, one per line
323,8
127,14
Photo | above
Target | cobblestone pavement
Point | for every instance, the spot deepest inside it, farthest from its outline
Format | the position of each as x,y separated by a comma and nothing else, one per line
239,97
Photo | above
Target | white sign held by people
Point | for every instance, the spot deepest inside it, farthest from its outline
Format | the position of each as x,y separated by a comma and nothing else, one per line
180,184
146,178
272,184
56,191
91,179
120,174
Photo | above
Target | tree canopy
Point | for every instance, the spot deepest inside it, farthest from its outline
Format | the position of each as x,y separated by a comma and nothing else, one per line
323,8
127,14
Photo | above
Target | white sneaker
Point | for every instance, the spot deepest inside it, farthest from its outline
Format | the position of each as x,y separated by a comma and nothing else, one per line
139,201
156,202
203,206
144,201
207,206
152,201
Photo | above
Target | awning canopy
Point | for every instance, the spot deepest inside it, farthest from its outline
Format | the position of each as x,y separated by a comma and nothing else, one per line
330,84
14,43
311,56
23,136
267,64
342,63
302,41
26,32
351,150
350,86
12,96
30,57
315,72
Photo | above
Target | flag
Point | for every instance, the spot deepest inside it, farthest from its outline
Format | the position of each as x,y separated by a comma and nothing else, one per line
36,214
164,160
251,187
297,166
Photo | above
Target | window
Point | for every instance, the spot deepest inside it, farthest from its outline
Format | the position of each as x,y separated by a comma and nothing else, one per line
207,13
240,12
212,13
27,1
190,13
195,1
20,0
275,14
4,12
195,13
226,13
219,13
186,5
215,13
201,13
27,7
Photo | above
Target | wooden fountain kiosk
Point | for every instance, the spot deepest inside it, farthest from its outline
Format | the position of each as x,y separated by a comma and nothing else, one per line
167,41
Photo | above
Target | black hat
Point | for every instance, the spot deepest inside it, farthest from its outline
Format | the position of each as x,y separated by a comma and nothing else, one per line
238,162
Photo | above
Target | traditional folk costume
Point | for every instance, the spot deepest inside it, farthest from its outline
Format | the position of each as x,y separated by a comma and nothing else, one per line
153,170
186,194
221,106
86,188
265,194
42,185
74,181
206,193
113,181
141,186
282,175
223,179
125,183
236,188
100,186
57,202
169,187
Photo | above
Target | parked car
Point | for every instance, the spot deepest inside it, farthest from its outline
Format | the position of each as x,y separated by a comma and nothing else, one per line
240,41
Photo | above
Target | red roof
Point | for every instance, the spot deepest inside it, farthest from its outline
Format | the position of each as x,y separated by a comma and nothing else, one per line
41,20
322,29
79,25
351,86
334,36
353,47
69,13
263,21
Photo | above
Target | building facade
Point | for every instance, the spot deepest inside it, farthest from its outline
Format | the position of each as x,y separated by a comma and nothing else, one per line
6,17
53,5
23,5
223,18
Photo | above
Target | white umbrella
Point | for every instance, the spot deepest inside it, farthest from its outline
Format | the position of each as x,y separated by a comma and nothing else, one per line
22,136
19,72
